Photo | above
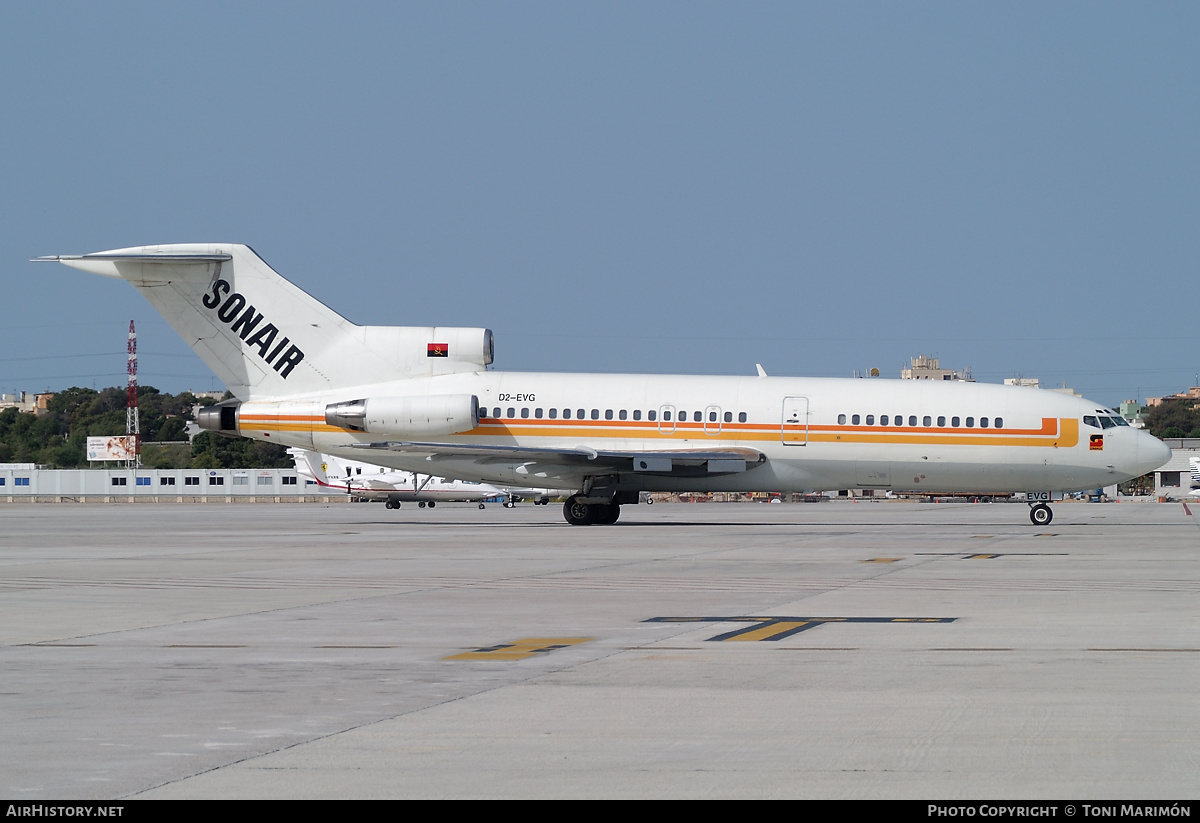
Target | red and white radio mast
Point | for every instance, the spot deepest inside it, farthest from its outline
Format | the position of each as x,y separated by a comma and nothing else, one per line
133,431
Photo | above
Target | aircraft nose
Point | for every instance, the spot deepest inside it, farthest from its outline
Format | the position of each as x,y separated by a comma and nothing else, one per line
1151,453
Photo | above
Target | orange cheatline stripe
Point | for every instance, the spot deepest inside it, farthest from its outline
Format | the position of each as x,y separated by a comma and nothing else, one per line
1050,435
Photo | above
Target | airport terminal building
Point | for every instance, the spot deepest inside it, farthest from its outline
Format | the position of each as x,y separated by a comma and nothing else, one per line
25,482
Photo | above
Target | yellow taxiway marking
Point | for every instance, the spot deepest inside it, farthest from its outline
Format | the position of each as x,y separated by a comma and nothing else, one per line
770,631
520,649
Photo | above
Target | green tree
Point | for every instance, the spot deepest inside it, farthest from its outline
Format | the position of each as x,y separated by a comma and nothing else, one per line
1173,418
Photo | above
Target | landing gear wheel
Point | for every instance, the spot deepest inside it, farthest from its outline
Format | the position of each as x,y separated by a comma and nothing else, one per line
608,514
510,504
482,506
390,504
1040,515
578,513
432,504
420,504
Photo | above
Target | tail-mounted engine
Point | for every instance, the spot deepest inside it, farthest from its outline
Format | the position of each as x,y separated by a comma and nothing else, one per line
221,418
418,416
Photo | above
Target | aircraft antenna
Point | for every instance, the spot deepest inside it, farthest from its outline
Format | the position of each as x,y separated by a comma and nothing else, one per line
133,430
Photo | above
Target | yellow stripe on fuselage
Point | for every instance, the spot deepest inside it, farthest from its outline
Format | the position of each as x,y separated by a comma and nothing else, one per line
1055,432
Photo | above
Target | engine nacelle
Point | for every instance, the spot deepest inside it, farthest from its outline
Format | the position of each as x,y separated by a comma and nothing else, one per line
417,416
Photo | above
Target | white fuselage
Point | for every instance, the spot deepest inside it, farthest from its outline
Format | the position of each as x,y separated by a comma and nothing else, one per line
814,433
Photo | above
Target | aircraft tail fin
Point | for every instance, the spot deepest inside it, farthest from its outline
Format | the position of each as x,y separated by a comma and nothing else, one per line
309,465
266,338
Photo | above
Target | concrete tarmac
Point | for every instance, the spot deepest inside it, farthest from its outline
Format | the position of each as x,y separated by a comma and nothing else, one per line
832,650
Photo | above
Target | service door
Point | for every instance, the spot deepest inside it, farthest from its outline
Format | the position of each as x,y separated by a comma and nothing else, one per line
795,421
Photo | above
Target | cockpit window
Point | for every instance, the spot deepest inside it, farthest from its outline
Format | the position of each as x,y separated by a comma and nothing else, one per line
1090,420
1107,422
1120,421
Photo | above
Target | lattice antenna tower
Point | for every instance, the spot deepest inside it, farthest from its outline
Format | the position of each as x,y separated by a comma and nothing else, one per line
133,430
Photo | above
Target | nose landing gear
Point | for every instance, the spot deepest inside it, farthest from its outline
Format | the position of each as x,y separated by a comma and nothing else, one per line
1040,515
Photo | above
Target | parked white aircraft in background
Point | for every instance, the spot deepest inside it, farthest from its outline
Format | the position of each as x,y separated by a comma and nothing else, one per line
420,398
372,482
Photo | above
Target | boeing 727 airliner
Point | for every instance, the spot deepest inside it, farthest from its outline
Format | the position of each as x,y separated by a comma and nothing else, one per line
421,398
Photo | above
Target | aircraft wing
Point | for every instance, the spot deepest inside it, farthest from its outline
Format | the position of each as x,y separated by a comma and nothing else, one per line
675,462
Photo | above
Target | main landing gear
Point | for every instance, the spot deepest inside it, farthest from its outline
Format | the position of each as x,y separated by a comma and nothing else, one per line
1040,515
422,504
578,513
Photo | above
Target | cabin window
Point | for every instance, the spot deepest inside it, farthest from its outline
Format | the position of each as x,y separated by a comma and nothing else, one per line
728,417
983,422
912,420
624,415
553,414
537,413
998,422
566,414
854,421
496,412
595,414
712,417
512,412
482,412
841,419
524,412
898,420
608,414
870,420
928,421
941,421
741,417
682,417
954,422
698,417
579,413
970,422
652,414
666,415
637,414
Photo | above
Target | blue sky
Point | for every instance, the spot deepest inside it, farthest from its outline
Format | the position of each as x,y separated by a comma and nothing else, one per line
648,187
